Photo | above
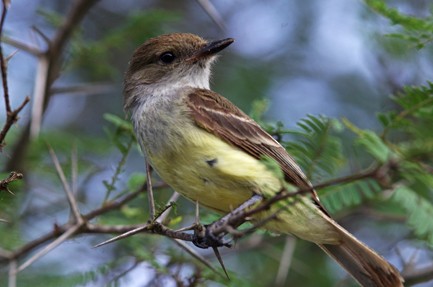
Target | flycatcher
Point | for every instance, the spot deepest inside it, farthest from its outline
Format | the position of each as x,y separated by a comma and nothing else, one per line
208,150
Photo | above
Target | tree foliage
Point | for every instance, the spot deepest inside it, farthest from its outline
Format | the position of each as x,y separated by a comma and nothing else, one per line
384,171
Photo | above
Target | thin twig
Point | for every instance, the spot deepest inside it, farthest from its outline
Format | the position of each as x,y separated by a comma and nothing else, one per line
114,279
285,261
74,170
11,118
174,197
119,168
11,115
197,256
3,62
66,187
197,213
143,228
417,276
21,46
41,82
86,89
213,13
128,233
12,276
150,198
13,176
71,231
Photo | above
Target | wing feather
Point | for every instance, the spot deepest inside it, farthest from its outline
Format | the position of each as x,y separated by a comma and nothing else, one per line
222,118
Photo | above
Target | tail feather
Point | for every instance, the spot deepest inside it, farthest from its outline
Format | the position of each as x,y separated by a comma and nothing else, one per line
366,266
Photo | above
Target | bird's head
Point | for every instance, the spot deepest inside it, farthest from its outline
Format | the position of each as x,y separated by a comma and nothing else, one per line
172,60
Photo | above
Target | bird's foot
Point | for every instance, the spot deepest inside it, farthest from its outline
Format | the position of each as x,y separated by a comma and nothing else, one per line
205,238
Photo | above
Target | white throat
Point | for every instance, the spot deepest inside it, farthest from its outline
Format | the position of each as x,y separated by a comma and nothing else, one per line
197,76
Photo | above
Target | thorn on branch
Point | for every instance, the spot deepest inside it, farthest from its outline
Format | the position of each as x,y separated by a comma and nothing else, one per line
220,260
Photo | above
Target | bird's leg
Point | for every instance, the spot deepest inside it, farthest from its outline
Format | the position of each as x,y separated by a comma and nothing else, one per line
212,235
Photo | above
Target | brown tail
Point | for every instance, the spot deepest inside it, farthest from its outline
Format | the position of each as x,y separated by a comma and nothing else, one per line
366,266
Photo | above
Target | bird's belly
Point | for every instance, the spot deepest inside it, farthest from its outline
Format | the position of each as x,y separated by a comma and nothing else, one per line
214,173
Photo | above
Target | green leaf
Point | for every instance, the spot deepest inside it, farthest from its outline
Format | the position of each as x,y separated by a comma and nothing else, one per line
416,30
315,147
419,212
372,143
118,122
136,180
339,197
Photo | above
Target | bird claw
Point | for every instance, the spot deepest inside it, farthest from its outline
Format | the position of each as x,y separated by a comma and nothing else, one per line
204,238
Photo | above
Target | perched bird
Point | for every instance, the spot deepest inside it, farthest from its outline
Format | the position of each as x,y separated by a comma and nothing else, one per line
209,151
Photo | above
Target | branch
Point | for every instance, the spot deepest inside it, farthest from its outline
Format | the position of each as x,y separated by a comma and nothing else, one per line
67,188
234,219
417,276
22,46
59,230
3,62
11,115
50,62
213,13
13,176
67,234
86,89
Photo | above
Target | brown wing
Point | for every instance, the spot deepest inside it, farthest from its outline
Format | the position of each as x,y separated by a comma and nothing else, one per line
219,116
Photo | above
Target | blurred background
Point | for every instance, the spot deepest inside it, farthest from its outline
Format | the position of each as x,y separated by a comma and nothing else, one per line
328,58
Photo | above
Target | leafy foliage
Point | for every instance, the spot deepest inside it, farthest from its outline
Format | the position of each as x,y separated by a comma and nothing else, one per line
419,211
418,31
343,196
315,146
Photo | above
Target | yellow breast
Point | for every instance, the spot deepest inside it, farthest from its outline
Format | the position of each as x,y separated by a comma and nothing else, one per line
202,167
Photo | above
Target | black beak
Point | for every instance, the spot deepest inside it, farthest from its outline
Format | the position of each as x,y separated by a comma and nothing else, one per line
211,49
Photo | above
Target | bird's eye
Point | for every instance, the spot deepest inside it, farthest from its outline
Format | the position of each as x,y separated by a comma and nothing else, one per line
167,57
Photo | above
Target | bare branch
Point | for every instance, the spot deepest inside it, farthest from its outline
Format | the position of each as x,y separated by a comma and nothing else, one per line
285,261
143,228
197,256
417,276
12,276
86,89
41,82
11,115
67,188
50,62
150,192
3,62
11,118
13,176
174,197
71,231
59,230
124,235
22,46
213,13
74,170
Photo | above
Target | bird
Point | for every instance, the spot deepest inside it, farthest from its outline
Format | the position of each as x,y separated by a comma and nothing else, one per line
210,151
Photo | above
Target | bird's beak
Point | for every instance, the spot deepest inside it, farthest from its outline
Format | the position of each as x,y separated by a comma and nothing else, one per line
211,49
